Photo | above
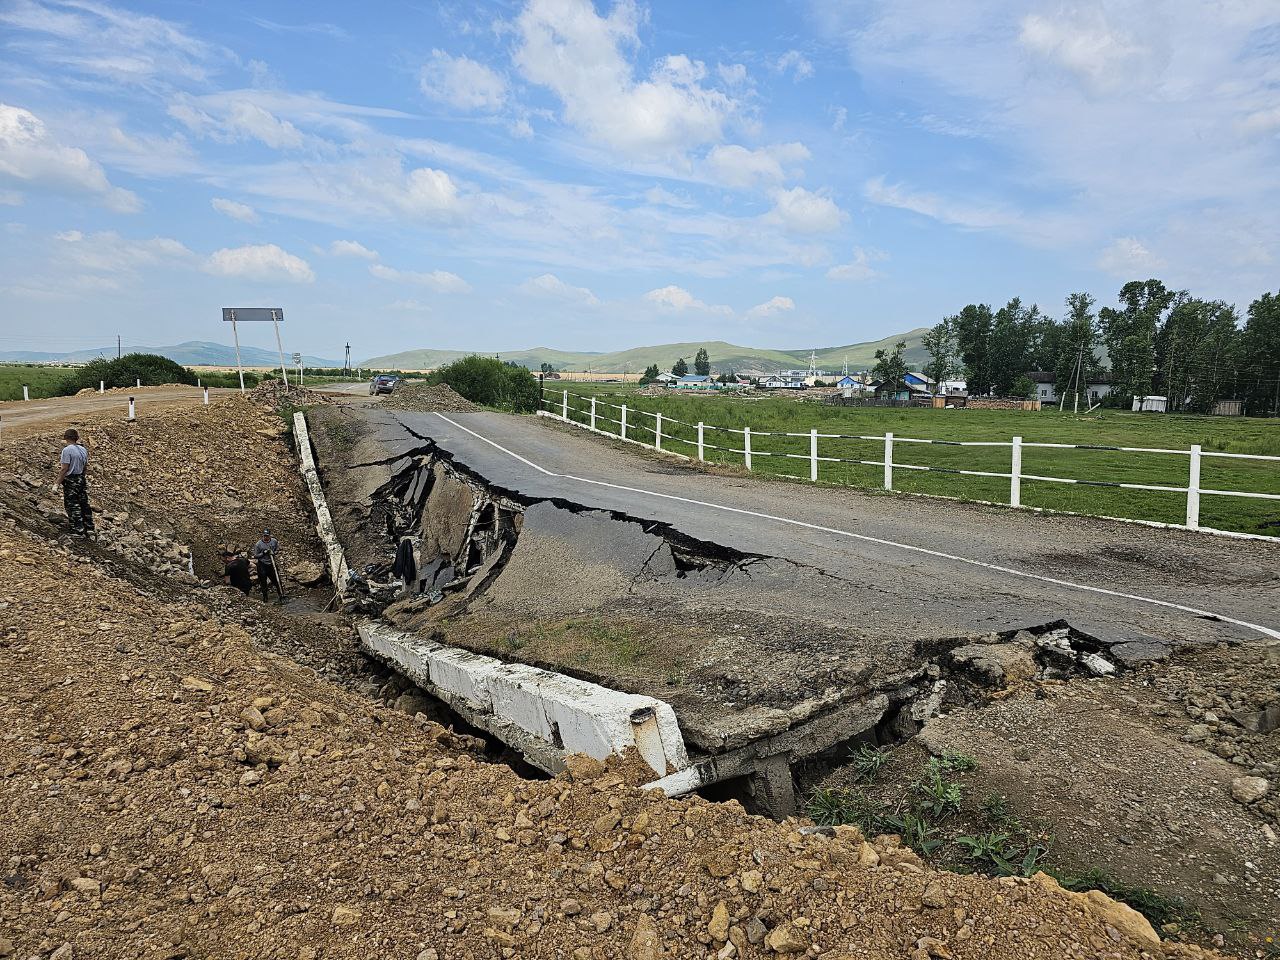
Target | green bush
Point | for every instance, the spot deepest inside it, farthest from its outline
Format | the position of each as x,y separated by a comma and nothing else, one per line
125,371
491,383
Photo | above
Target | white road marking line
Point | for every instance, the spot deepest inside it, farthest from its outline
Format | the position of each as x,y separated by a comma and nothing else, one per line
1025,574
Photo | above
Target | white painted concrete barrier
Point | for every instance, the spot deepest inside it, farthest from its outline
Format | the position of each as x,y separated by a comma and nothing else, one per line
324,520
545,715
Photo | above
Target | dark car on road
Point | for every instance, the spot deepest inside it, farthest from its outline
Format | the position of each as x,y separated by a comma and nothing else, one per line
382,384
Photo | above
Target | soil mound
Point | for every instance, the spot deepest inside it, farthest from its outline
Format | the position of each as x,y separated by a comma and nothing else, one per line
428,398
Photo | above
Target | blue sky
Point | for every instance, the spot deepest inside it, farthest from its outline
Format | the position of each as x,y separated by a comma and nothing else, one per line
597,176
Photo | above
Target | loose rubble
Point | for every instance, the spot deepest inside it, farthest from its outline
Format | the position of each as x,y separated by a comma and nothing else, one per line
421,397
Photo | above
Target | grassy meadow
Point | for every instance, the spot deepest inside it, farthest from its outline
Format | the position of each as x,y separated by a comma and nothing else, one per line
789,456
42,380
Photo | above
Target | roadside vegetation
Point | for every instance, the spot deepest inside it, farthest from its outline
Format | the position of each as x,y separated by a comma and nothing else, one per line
782,415
490,383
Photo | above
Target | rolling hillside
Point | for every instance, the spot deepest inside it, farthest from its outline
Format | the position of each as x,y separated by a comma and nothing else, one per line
724,356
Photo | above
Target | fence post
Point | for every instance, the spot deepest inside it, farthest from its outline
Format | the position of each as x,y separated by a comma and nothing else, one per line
657,432
102,386
593,414
564,407
1015,474
746,446
206,396
1193,489
813,455
700,441
622,433
140,382
131,414
888,461
26,393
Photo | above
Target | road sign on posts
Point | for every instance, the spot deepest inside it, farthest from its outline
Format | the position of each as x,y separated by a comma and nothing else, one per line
255,314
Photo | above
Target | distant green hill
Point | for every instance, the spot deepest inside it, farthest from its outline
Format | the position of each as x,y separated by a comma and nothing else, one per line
724,356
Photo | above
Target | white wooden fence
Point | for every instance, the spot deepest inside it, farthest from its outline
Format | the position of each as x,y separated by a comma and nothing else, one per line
590,409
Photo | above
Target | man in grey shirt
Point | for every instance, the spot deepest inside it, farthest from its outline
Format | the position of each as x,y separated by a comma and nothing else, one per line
75,488
264,554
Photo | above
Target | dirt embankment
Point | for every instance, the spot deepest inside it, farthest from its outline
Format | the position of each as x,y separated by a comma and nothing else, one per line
170,786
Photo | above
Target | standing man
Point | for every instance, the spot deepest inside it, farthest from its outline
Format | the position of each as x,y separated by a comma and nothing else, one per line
75,488
264,553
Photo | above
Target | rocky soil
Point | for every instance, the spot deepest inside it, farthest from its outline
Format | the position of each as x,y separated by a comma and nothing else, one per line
198,796
184,773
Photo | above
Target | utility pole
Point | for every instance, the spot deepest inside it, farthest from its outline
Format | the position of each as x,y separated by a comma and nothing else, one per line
117,346
1079,363
346,363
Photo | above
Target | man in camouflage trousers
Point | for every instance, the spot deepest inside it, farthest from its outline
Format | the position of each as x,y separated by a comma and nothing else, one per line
75,488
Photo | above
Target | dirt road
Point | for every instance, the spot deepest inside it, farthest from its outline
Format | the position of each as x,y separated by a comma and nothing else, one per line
21,418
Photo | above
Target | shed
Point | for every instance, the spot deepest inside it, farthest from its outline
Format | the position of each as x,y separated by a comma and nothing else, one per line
1150,404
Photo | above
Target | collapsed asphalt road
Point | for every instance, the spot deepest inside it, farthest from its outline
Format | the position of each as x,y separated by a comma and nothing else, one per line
896,566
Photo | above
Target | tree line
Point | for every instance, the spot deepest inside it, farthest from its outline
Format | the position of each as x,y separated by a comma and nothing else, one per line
1154,341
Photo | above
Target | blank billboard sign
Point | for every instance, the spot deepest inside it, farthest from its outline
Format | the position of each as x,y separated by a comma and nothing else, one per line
249,314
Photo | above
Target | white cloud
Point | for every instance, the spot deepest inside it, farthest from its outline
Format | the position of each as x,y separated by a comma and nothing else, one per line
235,210
10,198
549,285
794,62
678,300
1129,258
462,82
736,166
31,157
266,262
661,197
733,74
104,41
108,252
565,46
441,281
350,248
771,306
962,214
1087,46
801,211
860,267
237,119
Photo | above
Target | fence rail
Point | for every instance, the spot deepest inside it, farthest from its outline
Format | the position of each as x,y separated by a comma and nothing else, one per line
631,423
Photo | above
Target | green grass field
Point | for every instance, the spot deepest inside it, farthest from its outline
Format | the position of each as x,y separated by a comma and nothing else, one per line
43,381
1104,427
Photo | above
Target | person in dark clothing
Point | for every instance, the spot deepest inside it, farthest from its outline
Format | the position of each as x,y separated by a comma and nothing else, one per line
236,569
264,553
75,488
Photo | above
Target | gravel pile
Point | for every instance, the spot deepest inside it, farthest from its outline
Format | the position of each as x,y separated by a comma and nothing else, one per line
275,394
427,398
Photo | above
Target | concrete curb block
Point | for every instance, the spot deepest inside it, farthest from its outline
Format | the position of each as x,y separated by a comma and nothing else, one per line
545,715
324,520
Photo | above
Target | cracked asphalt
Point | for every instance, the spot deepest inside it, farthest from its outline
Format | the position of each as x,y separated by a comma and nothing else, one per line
860,558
